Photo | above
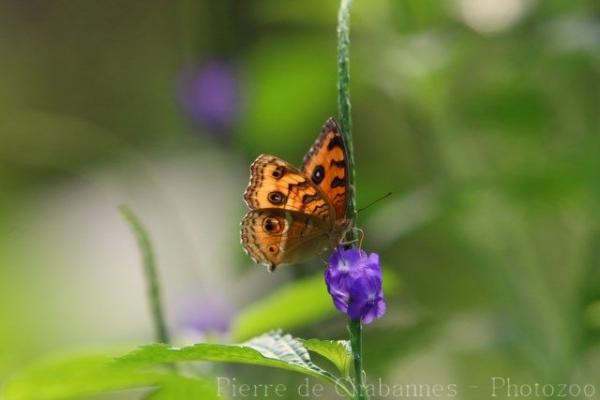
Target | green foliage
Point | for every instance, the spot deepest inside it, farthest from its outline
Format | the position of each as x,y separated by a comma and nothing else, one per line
298,304
336,351
592,315
180,387
90,374
300,59
269,350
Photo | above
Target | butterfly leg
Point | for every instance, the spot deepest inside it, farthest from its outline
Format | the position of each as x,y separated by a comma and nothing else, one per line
362,236
359,232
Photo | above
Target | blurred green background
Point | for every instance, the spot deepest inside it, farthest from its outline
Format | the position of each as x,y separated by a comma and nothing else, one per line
481,116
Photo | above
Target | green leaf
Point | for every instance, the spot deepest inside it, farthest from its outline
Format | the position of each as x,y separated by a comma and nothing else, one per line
336,351
269,350
298,304
592,315
301,303
179,387
82,375
276,64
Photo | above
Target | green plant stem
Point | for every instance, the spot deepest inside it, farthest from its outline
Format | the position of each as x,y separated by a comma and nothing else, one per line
355,329
150,273
344,107
344,111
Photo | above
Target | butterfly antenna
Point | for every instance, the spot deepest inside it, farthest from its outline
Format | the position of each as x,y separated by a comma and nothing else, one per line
385,196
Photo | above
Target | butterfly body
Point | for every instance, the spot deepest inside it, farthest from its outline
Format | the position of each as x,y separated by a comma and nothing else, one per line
297,213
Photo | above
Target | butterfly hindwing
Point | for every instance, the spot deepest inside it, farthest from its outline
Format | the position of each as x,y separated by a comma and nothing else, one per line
274,236
325,165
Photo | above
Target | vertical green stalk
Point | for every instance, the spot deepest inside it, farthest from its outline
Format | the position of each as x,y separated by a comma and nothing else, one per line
150,273
355,329
344,107
344,111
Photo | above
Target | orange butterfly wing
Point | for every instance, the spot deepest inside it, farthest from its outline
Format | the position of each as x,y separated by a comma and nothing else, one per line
325,165
274,183
297,213
274,236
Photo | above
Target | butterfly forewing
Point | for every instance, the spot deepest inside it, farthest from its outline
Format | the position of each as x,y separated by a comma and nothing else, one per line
275,183
325,166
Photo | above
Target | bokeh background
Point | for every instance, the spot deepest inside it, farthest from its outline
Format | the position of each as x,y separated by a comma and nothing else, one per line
481,116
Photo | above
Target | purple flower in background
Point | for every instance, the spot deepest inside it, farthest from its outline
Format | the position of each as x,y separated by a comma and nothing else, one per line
209,95
210,314
354,282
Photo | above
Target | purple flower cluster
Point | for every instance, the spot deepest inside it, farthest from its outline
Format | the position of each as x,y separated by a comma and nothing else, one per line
354,282
210,95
